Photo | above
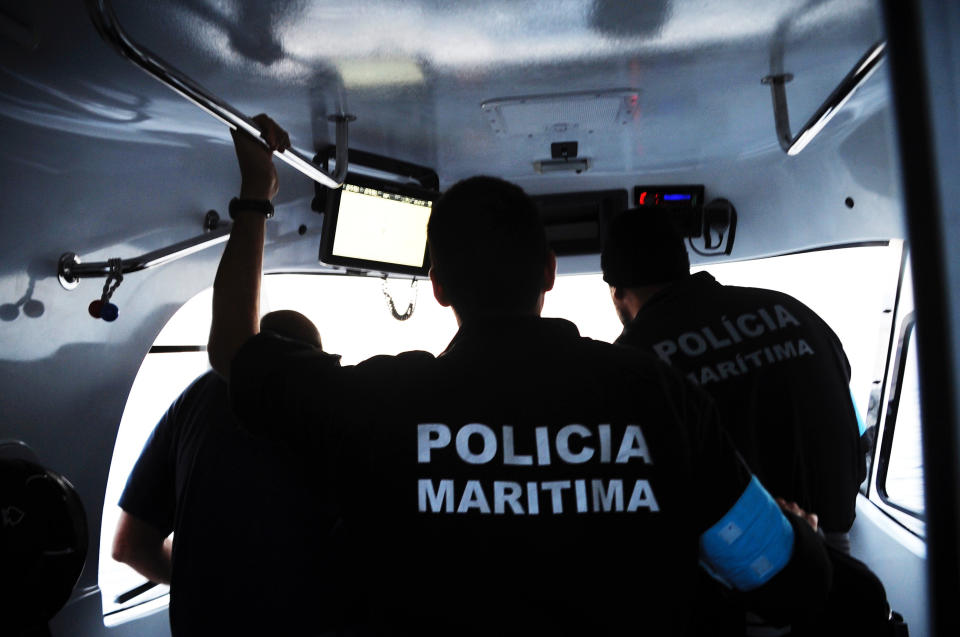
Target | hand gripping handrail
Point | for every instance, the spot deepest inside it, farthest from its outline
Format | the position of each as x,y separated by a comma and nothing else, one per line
844,91
105,20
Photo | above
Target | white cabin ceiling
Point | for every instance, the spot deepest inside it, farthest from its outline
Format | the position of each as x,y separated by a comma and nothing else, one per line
415,74
109,161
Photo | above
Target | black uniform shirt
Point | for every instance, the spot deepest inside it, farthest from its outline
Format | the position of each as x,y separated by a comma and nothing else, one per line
780,379
525,481
251,546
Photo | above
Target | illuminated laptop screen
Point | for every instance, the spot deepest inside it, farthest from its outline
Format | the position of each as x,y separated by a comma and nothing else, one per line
380,227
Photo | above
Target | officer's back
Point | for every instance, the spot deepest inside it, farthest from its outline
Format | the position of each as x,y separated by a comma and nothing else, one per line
515,481
776,370
514,484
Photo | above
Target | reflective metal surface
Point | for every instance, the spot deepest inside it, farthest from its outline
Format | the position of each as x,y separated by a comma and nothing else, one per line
793,144
104,18
70,269
416,73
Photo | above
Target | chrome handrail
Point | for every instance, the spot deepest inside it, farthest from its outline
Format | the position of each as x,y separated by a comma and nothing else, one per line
70,269
848,85
105,20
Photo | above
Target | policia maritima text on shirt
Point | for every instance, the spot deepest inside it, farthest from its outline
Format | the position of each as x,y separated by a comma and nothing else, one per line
776,370
527,480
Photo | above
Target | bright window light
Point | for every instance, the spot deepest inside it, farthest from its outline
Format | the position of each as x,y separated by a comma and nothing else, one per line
849,288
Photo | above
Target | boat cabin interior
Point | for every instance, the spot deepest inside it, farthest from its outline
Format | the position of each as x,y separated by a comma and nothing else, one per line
809,146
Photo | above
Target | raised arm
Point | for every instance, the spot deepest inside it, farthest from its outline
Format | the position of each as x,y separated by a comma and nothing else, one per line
236,289
146,549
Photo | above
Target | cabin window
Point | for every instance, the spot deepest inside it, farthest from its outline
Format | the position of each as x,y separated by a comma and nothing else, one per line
902,477
899,474
176,358
848,287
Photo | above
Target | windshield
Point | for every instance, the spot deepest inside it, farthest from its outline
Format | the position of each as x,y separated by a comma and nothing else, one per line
849,288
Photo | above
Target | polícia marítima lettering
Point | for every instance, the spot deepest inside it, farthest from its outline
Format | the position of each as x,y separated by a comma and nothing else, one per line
552,497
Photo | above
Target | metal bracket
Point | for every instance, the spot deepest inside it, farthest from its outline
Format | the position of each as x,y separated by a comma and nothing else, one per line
70,269
105,20
848,85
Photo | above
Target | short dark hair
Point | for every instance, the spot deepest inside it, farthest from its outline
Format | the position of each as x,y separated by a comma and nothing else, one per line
291,324
488,247
643,247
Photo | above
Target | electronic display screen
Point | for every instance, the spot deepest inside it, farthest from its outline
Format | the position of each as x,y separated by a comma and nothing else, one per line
381,226
685,204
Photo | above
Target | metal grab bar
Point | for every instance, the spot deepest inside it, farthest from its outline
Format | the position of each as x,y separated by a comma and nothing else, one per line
844,91
134,592
105,20
70,269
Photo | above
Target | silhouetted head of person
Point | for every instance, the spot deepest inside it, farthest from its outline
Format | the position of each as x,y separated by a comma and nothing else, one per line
293,325
488,250
642,253
643,248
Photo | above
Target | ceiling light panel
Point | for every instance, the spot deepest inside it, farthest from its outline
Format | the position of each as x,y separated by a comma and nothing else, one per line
559,113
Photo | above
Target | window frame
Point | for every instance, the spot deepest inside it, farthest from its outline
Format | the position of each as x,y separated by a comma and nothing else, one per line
903,307
145,598
905,343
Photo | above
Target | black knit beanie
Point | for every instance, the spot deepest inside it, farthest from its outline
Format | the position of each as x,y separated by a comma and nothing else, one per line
643,247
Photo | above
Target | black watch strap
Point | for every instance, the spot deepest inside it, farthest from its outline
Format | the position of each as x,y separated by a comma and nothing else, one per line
263,206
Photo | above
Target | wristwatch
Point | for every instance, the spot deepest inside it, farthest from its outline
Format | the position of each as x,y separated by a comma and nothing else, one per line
263,206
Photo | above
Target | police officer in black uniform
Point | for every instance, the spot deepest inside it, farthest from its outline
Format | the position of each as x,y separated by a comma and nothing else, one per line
527,480
254,548
777,372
